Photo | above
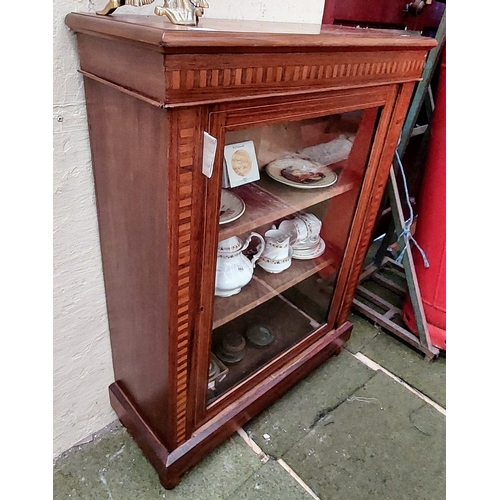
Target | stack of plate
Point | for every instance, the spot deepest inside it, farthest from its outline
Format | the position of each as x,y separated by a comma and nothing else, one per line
307,249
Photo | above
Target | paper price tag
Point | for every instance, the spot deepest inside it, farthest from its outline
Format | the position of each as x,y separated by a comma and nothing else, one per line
209,150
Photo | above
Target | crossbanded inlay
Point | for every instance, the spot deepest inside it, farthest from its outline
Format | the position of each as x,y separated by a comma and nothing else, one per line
265,75
184,239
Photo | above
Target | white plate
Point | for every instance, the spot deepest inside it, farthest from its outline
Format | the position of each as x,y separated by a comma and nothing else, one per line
312,254
297,166
231,207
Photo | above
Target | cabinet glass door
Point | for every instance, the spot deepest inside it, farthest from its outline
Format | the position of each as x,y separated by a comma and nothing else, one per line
288,200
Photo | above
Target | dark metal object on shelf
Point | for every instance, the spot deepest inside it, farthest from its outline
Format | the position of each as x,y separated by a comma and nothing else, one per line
260,335
232,349
217,372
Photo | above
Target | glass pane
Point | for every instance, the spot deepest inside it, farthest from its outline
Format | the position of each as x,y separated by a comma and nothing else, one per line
287,205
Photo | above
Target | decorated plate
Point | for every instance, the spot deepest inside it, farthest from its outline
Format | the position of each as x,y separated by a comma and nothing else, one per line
311,253
231,207
301,173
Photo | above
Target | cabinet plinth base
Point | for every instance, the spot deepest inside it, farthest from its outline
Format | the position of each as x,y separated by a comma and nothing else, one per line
172,465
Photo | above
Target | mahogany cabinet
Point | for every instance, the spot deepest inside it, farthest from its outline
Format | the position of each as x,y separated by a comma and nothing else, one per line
322,109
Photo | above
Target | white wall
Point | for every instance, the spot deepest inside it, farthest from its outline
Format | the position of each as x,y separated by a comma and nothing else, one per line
291,11
81,349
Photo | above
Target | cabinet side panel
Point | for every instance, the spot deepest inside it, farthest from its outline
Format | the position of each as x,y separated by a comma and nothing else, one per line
129,154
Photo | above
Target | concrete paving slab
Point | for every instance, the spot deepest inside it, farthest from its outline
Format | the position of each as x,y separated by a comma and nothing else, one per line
329,429
383,442
363,333
270,482
409,365
290,418
113,467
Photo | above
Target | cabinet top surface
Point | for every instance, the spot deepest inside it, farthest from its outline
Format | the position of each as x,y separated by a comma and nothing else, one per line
255,35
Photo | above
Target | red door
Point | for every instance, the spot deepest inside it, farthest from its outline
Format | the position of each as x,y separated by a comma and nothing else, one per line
420,15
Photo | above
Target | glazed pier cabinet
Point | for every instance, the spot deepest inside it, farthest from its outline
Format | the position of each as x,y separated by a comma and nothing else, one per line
239,168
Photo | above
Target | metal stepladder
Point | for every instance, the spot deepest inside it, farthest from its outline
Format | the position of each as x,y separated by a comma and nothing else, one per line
398,228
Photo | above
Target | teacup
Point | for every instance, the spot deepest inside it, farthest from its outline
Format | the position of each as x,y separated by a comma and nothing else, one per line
277,254
313,225
295,229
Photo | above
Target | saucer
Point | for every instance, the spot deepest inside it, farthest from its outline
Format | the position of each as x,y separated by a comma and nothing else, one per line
232,207
306,244
311,252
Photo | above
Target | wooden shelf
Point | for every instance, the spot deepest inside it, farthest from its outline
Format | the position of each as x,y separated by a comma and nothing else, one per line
289,325
264,286
267,201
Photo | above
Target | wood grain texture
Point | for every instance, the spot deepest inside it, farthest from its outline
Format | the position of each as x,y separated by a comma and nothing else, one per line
186,201
219,35
143,74
265,286
148,239
172,465
179,66
152,89
132,211
267,202
224,77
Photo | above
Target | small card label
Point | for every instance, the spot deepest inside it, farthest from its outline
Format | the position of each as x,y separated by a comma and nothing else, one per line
241,163
209,150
